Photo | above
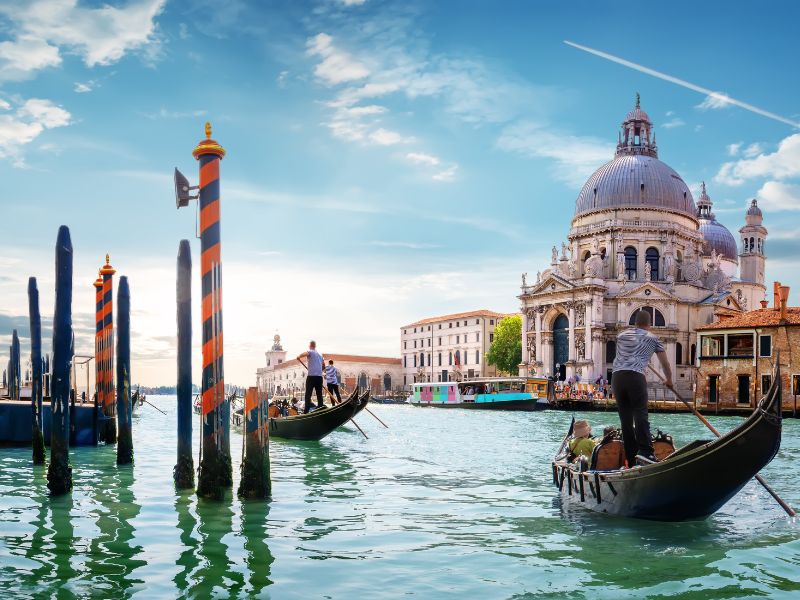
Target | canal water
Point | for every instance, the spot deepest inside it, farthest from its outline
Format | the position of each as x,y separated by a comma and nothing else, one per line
444,503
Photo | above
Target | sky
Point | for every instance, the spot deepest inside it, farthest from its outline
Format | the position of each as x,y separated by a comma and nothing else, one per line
386,161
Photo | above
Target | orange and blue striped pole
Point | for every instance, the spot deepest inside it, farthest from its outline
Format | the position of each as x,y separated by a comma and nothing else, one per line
215,462
107,334
98,357
256,482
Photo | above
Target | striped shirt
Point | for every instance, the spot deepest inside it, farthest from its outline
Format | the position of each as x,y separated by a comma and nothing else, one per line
635,347
331,375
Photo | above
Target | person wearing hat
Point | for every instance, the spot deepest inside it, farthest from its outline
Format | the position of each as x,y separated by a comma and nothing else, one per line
582,443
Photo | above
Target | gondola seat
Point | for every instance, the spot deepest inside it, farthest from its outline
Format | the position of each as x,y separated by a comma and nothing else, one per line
662,449
608,456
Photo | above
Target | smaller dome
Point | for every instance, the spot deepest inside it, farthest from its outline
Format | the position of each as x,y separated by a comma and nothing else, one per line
717,237
637,114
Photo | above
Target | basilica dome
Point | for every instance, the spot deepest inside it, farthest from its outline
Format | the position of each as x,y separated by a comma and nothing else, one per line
636,178
716,237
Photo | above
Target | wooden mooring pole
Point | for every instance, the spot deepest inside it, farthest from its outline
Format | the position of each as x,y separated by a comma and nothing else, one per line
256,481
107,340
184,468
37,437
124,406
59,473
16,385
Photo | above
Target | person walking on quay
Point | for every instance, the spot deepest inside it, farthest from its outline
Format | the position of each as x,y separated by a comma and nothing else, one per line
635,347
314,377
332,379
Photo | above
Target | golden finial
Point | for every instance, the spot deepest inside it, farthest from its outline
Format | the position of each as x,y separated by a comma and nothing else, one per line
208,146
637,99
208,130
108,259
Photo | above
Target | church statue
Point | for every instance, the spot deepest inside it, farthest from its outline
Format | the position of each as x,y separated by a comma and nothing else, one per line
538,277
620,266
524,277
596,246
647,271
563,251
555,255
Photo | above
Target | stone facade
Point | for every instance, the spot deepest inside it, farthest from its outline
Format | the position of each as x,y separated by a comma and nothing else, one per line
448,348
287,377
638,241
737,355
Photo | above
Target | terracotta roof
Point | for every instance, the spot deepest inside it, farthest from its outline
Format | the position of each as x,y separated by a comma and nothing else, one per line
763,317
455,316
336,358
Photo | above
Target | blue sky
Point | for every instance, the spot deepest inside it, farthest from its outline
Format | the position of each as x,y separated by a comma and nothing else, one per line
386,161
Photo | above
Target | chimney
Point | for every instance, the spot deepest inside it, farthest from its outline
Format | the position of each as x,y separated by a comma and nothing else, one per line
764,304
776,295
784,301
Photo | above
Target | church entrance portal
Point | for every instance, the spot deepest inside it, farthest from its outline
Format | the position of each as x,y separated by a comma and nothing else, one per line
560,347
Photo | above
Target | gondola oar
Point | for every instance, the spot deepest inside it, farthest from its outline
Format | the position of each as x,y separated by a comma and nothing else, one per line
331,396
376,416
789,510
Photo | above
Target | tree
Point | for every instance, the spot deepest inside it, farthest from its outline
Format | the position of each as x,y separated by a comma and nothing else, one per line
506,349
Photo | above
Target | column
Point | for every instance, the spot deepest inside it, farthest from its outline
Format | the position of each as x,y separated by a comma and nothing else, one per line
571,314
525,357
538,326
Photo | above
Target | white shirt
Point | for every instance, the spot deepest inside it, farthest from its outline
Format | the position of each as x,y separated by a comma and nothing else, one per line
315,362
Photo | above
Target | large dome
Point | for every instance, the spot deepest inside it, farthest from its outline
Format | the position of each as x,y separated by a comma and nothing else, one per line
636,178
635,181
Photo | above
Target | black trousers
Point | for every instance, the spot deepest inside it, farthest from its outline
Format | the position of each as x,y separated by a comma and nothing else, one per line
630,391
314,383
333,388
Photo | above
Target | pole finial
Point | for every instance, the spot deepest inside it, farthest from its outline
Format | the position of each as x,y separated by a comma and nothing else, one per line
208,130
108,259
637,100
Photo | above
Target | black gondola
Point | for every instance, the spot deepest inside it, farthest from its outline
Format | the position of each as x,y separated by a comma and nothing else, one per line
316,424
691,483
362,402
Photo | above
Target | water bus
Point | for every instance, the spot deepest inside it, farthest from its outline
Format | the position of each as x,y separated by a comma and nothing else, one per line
496,393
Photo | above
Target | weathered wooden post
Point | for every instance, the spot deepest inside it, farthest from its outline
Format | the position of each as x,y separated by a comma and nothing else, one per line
37,438
15,366
215,463
256,482
124,407
47,375
59,473
109,405
184,468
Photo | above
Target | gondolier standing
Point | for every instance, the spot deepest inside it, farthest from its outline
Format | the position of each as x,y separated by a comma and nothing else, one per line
332,379
314,377
635,347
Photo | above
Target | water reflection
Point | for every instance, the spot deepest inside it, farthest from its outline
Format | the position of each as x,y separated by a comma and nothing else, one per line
259,559
188,559
217,574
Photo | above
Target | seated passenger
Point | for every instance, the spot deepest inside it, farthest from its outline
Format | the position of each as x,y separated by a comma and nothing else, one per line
581,443
273,411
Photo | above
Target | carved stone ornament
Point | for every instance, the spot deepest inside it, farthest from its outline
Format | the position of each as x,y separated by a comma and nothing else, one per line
691,272
580,317
580,346
531,349
647,271
594,266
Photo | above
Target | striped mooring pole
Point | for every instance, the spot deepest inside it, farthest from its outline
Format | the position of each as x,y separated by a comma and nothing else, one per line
184,468
256,482
215,463
98,353
59,472
124,407
37,437
107,352
15,366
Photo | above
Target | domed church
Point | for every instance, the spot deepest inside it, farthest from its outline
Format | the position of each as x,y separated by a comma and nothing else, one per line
638,241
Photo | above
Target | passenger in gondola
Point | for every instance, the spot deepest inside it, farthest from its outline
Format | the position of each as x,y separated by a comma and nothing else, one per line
273,411
295,407
635,348
582,443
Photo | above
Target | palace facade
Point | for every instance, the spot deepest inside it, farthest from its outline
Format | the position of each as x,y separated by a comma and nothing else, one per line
638,241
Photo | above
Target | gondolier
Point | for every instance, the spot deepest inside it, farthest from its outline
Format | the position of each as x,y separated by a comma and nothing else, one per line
635,347
332,379
314,377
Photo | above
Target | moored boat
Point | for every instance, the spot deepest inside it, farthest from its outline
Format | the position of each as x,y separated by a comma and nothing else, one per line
362,403
497,393
690,483
316,424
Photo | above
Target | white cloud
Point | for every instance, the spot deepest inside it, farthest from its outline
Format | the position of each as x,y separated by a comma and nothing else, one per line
183,31
449,174
4,105
281,79
337,66
753,149
674,122
420,158
163,113
386,137
82,88
576,157
27,123
352,2
100,35
715,100
733,149
779,196
781,164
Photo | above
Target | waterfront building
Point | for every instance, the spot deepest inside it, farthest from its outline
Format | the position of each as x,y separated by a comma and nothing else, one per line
737,353
638,241
281,376
448,348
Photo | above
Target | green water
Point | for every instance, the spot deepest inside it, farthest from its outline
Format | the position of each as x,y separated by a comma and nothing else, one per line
443,504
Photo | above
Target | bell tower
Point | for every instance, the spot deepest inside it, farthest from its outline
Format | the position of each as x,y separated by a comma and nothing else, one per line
636,135
754,236
276,355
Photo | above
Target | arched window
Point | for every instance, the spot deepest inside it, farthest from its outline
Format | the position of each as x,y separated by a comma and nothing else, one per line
651,257
421,359
415,360
450,358
656,318
630,263
458,357
678,266
440,359
363,382
405,362
611,351
387,383
678,354
693,352
752,245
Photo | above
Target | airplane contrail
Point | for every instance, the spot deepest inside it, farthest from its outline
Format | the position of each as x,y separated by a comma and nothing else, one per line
719,98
